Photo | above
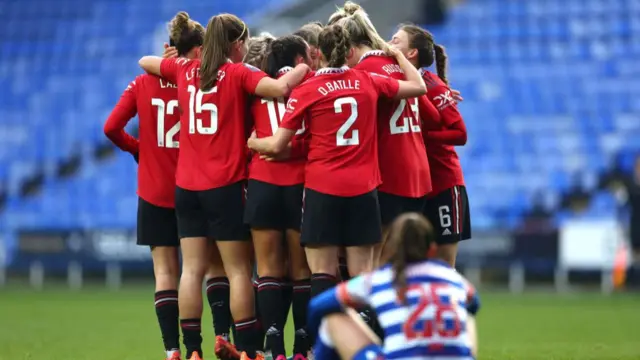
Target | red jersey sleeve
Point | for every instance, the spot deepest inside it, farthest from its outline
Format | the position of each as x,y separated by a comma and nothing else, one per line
384,85
250,76
296,108
124,110
428,112
169,68
455,131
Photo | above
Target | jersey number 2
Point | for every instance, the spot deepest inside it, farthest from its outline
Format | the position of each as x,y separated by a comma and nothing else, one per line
437,325
341,139
166,139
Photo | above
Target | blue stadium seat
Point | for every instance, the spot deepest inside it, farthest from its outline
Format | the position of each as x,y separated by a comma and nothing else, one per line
550,88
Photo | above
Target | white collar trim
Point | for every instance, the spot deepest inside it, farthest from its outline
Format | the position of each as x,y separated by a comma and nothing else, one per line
372,53
330,70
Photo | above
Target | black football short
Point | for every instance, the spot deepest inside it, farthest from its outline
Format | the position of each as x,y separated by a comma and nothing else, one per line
157,226
273,207
448,212
214,213
340,221
393,205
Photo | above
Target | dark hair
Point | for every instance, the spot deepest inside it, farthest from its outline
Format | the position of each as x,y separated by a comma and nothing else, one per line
185,33
411,234
283,52
310,32
257,49
428,51
349,8
334,44
222,31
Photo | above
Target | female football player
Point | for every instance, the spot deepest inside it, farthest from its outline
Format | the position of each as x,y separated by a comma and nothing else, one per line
425,306
213,93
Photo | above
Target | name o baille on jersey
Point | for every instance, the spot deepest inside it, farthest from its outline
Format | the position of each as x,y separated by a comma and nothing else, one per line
404,167
422,326
340,107
336,85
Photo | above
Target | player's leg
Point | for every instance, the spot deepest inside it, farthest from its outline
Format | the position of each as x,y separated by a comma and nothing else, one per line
264,212
192,228
362,231
321,237
448,212
225,209
157,228
217,289
298,269
348,337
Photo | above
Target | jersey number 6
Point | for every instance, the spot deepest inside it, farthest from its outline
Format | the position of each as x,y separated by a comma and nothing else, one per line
417,327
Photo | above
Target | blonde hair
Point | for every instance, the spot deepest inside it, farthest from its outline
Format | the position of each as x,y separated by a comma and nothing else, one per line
362,32
349,8
257,49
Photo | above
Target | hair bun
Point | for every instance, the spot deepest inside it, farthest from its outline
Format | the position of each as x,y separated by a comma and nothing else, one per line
350,7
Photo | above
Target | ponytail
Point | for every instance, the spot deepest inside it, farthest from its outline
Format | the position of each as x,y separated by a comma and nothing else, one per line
428,51
412,236
222,31
441,62
362,32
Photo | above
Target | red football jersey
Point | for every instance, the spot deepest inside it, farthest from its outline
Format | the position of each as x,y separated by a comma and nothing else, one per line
403,161
213,137
267,114
443,159
340,108
156,102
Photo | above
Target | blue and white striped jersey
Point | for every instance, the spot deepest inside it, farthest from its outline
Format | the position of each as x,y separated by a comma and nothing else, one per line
431,323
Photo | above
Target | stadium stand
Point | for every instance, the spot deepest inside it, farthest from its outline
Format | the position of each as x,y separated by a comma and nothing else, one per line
549,90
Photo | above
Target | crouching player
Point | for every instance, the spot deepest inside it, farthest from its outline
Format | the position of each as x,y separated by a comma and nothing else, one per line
425,307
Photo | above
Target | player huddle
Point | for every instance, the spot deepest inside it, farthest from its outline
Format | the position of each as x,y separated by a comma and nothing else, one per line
289,154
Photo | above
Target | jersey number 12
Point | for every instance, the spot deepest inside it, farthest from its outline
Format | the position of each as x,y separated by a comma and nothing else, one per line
166,139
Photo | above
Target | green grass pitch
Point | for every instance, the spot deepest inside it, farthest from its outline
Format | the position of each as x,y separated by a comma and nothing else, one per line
96,324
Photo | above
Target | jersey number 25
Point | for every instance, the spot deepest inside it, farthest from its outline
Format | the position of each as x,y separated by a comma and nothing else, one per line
417,326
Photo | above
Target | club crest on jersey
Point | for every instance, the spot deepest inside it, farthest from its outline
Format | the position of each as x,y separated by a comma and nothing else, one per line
251,67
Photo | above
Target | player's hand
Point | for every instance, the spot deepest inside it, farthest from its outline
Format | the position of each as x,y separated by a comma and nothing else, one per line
136,157
456,96
395,52
169,52
285,155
